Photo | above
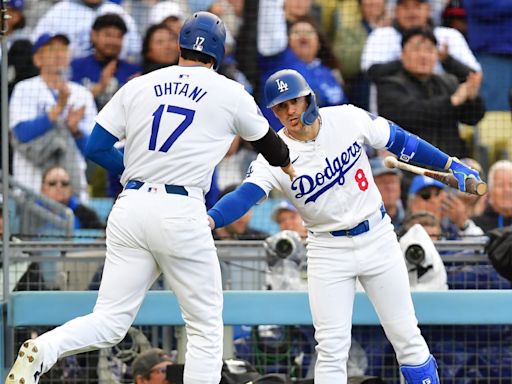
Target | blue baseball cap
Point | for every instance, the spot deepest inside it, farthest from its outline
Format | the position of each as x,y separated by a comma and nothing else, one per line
46,38
16,4
420,182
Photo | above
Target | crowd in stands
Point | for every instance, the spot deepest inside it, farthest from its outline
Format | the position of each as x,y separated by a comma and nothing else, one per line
432,66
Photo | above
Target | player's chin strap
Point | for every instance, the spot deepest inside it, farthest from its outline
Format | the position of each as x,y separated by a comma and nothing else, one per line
309,116
411,148
425,373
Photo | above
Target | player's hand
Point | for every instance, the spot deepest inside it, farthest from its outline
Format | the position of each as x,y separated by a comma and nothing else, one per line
290,171
462,172
211,223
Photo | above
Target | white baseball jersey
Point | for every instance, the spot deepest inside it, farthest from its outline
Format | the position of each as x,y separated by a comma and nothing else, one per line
334,187
32,98
179,123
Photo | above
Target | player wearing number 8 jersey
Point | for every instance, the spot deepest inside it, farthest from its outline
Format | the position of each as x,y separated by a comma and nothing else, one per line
350,236
178,123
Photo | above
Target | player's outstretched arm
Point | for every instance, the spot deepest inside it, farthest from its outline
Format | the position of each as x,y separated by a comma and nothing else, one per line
275,151
411,148
235,204
100,149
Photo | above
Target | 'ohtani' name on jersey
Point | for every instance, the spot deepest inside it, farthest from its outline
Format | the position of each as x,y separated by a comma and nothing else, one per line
178,88
334,172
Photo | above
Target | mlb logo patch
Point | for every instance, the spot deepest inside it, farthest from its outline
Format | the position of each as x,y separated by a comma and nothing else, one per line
152,189
184,76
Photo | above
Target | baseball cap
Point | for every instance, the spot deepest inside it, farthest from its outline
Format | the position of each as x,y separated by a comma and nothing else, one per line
454,9
378,168
143,363
284,205
16,4
46,38
163,10
420,182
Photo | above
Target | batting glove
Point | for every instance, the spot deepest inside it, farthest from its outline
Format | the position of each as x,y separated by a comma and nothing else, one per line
462,172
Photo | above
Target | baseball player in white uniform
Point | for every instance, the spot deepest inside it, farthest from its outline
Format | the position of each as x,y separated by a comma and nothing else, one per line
178,123
350,235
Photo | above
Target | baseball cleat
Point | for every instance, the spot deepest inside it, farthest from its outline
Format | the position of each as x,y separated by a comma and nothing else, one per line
28,365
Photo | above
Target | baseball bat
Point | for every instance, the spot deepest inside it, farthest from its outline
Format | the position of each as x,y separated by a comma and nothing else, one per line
473,186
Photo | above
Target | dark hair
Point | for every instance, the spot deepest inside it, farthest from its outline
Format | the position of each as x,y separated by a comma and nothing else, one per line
110,20
325,53
51,168
149,34
425,32
190,54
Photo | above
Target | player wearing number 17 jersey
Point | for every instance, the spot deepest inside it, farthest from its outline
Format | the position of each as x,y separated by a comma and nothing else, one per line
350,236
178,123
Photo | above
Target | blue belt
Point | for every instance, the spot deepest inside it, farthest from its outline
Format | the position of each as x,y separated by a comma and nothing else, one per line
169,188
362,227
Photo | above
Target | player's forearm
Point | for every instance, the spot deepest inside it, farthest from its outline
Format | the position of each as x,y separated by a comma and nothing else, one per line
412,148
235,204
273,149
100,149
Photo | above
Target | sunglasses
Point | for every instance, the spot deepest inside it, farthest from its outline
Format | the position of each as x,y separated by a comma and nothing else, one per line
63,183
427,194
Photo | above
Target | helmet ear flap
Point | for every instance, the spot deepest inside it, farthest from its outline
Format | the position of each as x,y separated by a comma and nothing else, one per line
309,116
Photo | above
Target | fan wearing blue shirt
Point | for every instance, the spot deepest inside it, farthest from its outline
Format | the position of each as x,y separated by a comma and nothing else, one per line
103,72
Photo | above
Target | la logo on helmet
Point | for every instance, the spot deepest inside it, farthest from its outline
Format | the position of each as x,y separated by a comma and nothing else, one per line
281,85
198,46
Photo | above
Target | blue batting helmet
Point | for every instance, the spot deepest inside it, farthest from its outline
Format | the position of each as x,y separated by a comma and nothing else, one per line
204,32
288,84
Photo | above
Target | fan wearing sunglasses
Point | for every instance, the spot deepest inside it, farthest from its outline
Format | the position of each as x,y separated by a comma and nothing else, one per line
426,194
150,367
56,185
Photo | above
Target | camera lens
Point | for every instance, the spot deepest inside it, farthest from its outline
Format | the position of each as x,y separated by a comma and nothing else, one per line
284,247
415,254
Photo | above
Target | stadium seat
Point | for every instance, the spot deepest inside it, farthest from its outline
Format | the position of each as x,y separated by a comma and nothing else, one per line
102,206
494,131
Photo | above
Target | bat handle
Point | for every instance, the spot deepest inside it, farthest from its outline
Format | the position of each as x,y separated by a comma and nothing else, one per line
476,187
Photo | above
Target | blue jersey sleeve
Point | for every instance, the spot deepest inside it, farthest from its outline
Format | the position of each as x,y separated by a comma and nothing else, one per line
100,149
235,204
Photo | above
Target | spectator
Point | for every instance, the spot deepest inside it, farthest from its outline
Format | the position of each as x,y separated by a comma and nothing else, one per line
56,185
159,48
150,367
498,213
170,13
302,47
50,118
454,16
489,31
430,105
461,207
18,45
239,229
383,44
74,18
427,220
426,194
232,14
348,45
288,218
388,182
104,72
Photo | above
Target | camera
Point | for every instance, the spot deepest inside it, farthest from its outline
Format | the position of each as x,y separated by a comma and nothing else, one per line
424,264
415,254
284,245
286,260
